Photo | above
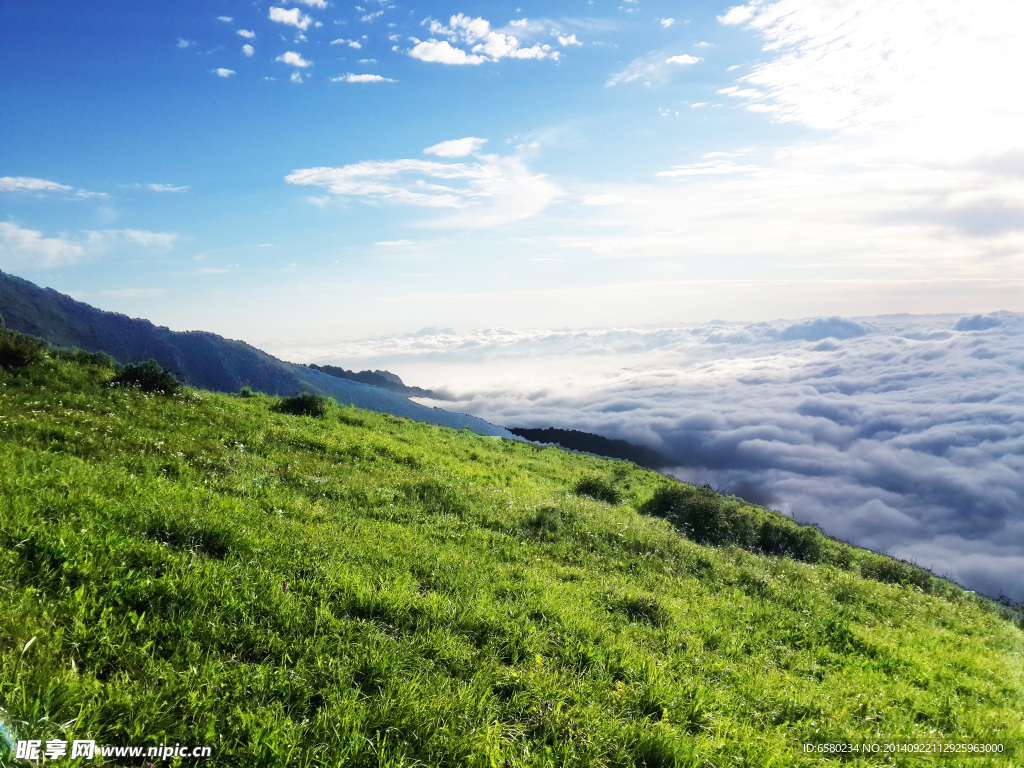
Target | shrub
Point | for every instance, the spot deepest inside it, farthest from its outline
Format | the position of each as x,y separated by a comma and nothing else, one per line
99,359
248,393
147,376
703,516
18,351
697,512
304,404
598,489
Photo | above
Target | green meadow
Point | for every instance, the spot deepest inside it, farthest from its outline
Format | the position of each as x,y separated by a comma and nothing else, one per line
355,589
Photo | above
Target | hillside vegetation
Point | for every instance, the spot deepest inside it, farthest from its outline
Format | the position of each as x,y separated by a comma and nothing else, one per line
200,359
356,589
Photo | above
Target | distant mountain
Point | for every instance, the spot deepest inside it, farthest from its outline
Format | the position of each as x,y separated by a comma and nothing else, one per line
588,442
383,379
200,359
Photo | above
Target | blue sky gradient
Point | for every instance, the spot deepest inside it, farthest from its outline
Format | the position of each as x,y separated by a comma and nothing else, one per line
264,169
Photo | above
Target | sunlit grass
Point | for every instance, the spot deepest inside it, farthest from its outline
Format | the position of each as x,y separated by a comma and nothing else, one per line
451,599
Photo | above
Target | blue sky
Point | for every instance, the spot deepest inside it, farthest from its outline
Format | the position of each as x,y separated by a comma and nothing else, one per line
310,171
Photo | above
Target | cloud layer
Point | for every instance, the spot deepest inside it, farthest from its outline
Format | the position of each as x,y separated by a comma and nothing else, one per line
902,434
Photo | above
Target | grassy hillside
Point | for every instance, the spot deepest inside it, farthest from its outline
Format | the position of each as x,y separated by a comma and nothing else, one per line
361,590
202,359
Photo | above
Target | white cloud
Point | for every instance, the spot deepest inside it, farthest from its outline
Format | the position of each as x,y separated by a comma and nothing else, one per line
248,50
567,41
225,19
167,188
293,59
492,191
350,78
667,22
223,72
27,184
31,186
183,43
456,147
22,248
372,16
740,14
321,4
350,43
684,58
248,34
442,52
484,43
926,68
292,17
296,77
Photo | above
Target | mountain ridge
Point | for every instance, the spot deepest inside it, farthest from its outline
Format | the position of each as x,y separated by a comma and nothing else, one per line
199,358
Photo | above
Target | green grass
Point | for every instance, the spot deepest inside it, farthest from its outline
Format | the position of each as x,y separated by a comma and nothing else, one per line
452,600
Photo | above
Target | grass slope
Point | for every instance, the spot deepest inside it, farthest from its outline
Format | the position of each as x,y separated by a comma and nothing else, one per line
452,600
201,359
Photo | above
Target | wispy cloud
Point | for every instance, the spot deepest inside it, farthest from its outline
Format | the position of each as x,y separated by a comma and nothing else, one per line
248,50
165,187
30,185
248,34
493,190
223,72
456,147
652,69
22,248
365,78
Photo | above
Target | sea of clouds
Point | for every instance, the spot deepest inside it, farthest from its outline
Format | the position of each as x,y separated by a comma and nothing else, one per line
903,434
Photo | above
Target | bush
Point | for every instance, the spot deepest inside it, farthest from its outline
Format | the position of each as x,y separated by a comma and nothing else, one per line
706,518
304,404
697,512
598,489
147,376
18,351
248,393
81,356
